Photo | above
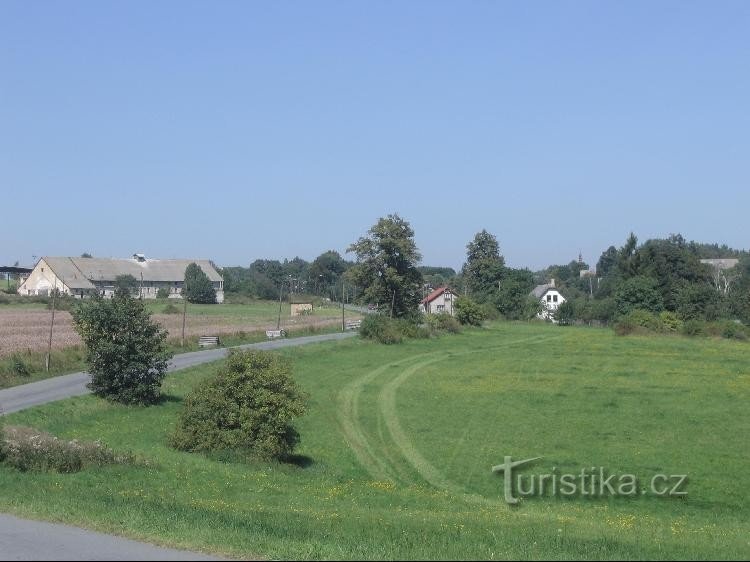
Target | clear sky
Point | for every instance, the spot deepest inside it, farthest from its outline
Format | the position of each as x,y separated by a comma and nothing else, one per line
239,130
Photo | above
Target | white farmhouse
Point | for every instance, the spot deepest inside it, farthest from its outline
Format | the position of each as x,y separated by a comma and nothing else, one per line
550,298
441,300
84,277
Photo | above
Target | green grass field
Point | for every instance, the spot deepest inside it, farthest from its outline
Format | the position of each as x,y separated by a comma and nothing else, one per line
398,445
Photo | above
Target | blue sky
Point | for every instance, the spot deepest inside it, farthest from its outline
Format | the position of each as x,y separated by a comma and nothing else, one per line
239,130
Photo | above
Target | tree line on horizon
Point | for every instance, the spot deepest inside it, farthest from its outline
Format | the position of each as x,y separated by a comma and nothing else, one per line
656,276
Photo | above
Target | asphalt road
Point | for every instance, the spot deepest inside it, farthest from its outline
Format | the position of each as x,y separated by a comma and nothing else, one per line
65,386
33,540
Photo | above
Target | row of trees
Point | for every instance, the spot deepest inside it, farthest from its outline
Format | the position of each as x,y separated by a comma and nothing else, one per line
660,275
263,279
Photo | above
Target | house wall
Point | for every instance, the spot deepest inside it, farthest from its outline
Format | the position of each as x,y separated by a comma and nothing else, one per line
442,304
41,282
551,301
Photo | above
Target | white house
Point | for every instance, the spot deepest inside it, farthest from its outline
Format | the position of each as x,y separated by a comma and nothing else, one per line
550,298
441,300
82,277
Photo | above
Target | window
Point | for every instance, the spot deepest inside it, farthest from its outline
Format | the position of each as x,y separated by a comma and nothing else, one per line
549,298
554,298
440,307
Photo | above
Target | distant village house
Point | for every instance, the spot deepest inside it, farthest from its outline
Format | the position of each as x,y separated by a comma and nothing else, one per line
441,300
85,277
550,298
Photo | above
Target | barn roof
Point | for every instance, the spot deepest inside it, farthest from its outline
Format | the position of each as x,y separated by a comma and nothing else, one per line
79,273
435,294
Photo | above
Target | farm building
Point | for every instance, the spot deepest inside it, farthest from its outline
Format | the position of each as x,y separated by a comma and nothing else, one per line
550,298
439,300
82,277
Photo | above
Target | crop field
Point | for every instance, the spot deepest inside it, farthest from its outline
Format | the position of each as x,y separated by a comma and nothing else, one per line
398,445
25,327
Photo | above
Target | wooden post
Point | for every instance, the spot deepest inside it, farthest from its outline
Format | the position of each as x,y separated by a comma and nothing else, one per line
343,318
393,302
184,314
51,327
281,291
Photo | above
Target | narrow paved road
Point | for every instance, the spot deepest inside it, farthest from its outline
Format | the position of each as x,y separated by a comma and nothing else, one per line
65,386
33,540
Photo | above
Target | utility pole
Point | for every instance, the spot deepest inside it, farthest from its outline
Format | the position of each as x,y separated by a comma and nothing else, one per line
184,314
343,319
281,291
51,327
140,291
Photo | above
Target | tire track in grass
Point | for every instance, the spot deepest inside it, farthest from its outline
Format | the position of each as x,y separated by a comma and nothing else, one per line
355,436
387,405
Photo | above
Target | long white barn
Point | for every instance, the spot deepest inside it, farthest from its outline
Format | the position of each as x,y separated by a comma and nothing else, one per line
82,277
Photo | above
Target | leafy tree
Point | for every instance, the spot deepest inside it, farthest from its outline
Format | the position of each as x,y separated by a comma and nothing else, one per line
198,287
162,293
386,266
248,407
566,313
638,293
512,297
86,255
484,267
326,271
125,350
607,262
126,284
468,312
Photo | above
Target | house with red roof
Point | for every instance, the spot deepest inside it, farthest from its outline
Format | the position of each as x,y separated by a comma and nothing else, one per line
441,300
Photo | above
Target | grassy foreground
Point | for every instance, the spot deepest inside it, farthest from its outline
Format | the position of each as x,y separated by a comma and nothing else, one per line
397,449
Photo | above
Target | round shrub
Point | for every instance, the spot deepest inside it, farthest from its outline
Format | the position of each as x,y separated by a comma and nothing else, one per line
670,322
694,328
638,322
733,331
248,408
443,323
468,312
380,328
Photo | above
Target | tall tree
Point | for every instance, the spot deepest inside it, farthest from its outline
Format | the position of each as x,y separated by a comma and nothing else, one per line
386,266
198,287
484,267
326,271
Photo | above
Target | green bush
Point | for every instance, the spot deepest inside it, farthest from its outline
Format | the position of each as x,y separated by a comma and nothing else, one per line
733,331
566,313
468,312
694,328
380,328
27,449
126,351
411,328
162,293
638,322
670,322
247,408
442,323
490,312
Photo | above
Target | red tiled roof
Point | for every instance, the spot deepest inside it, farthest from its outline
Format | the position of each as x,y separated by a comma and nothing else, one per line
434,294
